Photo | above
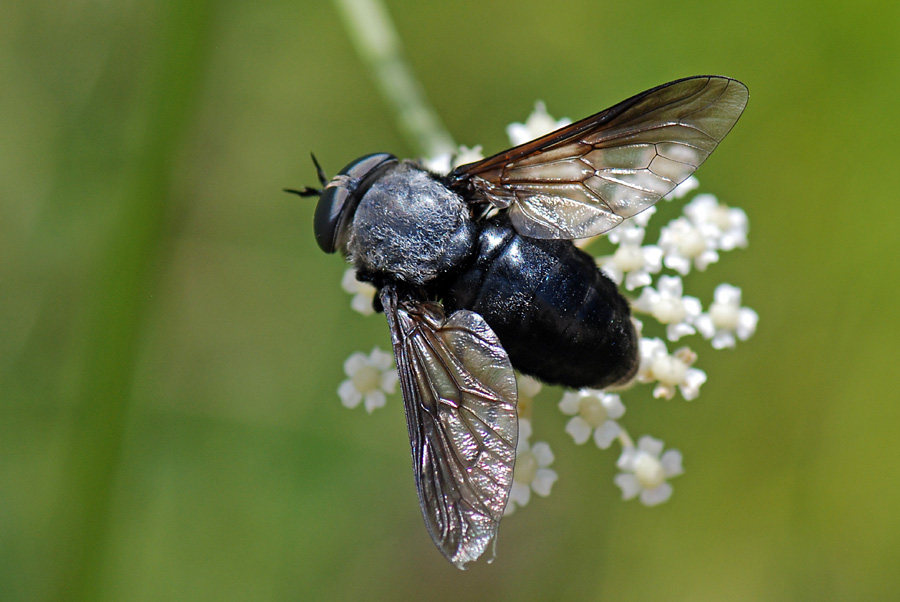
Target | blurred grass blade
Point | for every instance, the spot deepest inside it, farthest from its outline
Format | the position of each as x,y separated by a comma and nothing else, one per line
377,43
116,307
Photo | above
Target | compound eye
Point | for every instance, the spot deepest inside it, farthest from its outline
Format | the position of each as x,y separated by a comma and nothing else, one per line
328,216
339,200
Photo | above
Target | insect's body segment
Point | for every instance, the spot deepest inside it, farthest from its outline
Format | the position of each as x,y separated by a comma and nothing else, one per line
409,228
557,316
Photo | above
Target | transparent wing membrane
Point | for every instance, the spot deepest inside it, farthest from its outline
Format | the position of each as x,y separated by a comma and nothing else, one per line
459,394
588,177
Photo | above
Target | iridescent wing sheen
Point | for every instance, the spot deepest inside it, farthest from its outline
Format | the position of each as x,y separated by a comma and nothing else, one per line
588,177
459,394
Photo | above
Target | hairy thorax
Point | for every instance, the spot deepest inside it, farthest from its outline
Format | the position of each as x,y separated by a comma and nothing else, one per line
411,227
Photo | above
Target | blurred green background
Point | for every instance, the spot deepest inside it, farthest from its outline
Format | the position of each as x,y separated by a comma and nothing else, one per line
171,338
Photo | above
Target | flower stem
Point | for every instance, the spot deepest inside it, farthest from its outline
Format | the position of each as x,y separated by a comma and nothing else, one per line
379,46
625,439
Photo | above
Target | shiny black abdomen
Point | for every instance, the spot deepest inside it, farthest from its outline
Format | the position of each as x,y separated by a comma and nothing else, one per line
557,316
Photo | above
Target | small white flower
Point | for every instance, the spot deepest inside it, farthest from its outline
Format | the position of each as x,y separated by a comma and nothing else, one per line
362,292
369,378
594,412
443,163
531,472
642,218
684,242
538,123
669,307
726,318
684,188
638,326
631,261
439,164
730,223
670,370
528,389
644,472
466,155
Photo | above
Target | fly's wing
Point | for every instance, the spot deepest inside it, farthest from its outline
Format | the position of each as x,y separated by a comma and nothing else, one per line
459,394
588,177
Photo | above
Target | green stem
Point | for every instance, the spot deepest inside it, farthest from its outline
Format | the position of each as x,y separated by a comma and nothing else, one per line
379,46
625,439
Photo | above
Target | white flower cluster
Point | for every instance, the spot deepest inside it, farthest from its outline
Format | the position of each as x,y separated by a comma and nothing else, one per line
538,123
692,240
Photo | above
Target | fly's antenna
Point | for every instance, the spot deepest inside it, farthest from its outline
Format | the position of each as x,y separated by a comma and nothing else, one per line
323,179
310,191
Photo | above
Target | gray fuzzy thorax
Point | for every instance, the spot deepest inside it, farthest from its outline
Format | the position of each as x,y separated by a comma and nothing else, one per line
410,227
